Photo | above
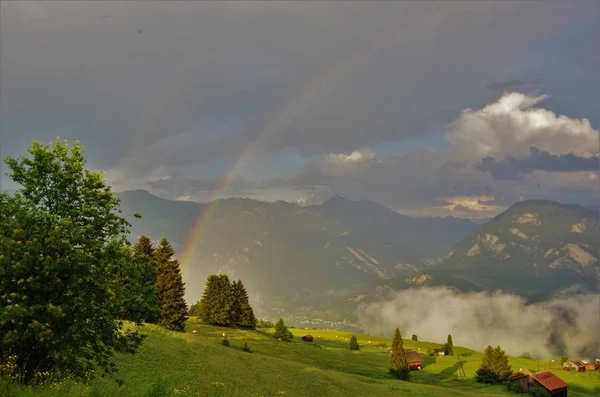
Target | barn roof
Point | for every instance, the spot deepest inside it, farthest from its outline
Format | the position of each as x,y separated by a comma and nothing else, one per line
412,356
549,380
577,363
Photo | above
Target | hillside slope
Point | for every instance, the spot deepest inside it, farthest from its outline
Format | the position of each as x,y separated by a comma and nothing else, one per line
172,364
535,248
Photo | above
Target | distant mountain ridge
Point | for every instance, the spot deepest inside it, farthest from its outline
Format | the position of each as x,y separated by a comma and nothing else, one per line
285,249
536,249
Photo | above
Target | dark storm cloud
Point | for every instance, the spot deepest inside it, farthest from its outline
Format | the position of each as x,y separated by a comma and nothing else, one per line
318,77
512,168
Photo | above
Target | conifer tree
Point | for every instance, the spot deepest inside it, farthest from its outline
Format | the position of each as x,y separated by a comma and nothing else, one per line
281,331
242,309
494,366
171,288
143,251
236,310
502,368
414,337
144,246
398,361
449,346
217,303
354,343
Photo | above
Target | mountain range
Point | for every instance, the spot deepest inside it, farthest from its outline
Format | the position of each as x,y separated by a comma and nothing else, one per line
294,258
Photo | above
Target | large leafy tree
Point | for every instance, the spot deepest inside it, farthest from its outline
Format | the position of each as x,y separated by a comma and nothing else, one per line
62,255
398,361
171,288
218,301
243,311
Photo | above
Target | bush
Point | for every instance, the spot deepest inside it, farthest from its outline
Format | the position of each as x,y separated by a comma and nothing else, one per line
525,355
414,337
246,348
225,342
354,343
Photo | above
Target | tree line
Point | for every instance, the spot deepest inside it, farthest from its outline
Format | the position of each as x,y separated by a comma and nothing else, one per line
69,277
224,303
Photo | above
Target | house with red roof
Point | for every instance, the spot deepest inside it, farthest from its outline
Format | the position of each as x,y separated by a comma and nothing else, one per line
555,386
574,365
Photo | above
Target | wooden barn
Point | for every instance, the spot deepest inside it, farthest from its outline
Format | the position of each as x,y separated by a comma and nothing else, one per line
574,365
414,360
555,386
552,383
439,352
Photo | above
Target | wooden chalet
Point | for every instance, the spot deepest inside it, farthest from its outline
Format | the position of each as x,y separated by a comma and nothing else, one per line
555,386
439,352
574,365
414,360
592,365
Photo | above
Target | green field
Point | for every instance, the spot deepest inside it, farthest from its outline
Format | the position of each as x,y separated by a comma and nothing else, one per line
171,364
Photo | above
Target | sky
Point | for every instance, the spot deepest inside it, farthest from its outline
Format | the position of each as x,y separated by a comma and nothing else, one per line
430,108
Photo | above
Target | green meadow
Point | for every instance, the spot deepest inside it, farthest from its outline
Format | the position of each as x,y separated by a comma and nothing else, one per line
187,364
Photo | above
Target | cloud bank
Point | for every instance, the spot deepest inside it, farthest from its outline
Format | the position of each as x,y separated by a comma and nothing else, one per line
566,326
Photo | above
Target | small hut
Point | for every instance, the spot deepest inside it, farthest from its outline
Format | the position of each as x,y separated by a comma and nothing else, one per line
546,380
574,365
414,360
552,383
439,352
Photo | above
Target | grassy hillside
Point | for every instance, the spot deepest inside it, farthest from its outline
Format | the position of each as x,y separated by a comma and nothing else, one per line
171,364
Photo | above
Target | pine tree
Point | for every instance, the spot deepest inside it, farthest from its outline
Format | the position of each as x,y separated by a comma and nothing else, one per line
502,368
354,343
494,366
236,309
449,346
246,317
171,288
144,250
398,361
414,337
281,331
144,246
217,303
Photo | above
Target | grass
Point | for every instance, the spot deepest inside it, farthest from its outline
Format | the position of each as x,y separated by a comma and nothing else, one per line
172,364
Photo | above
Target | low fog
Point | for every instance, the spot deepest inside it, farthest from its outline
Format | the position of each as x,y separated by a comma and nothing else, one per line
568,326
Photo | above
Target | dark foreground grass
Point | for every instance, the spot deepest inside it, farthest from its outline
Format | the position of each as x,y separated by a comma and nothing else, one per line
172,364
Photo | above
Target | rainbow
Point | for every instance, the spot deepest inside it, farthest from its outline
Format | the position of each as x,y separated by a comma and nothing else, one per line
290,111
331,75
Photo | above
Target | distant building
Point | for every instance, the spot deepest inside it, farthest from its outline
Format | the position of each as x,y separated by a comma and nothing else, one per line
555,386
439,352
592,365
414,360
574,365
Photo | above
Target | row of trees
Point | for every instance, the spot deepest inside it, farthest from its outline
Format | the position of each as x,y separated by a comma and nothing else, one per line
224,303
69,278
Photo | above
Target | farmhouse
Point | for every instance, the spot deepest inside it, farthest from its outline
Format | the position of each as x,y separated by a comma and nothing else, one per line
591,365
574,365
414,360
555,386
439,352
